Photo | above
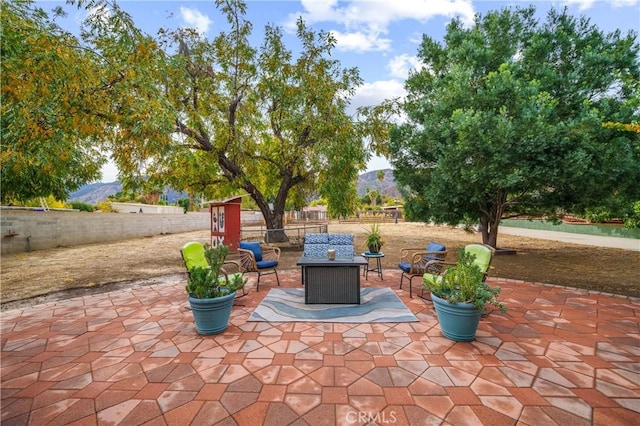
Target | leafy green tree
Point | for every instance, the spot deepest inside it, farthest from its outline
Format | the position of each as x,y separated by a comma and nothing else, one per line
52,99
505,118
221,116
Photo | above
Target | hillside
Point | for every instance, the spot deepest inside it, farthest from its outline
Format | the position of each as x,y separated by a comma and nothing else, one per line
370,181
95,192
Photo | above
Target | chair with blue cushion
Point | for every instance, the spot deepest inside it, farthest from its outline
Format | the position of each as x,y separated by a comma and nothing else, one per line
255,257
417,262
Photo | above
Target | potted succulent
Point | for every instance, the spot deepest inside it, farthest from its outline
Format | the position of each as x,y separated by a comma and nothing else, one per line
373,239
460,297
212,291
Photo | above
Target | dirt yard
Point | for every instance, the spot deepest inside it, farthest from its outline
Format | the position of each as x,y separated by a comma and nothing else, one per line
33,275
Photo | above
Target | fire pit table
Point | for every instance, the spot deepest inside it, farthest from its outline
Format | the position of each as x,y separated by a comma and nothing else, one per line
331,281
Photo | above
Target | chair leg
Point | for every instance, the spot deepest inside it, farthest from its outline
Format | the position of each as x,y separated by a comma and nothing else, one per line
401,278
411,285
275,271
427,298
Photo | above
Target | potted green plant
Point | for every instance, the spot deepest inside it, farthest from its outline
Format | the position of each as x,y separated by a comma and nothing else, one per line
460,297
373,239
212,291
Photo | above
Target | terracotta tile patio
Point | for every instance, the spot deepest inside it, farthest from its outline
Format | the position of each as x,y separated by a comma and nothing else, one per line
558,356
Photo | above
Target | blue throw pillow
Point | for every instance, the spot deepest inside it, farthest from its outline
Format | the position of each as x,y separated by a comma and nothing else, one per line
254,247
434,247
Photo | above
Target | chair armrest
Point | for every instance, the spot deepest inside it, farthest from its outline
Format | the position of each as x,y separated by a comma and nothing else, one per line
247,260
231,266
407,253
270,253
437,267
419,263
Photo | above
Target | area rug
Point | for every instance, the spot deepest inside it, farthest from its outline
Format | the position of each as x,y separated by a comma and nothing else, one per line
376,305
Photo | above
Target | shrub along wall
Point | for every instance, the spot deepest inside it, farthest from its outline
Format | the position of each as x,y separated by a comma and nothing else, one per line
23,230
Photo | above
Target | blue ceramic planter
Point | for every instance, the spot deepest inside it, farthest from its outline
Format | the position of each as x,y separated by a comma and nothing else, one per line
458,321
212,315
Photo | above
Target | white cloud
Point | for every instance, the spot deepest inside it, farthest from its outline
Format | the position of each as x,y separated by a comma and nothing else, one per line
399,66
376,92
365,22
195,19
360,42
582,4
625,3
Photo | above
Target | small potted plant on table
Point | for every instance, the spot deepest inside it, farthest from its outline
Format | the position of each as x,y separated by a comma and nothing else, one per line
212,291
373,239
460,297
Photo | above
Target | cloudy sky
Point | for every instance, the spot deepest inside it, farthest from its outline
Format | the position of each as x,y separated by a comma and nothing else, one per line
380,37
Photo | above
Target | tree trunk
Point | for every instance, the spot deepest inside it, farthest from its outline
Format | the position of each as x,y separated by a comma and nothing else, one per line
275,226
490,219
489,232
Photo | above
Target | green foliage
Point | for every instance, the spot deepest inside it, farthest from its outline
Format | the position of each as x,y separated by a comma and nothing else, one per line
318,202
206,283
221,117
51,92
632,220
373,238
599,214
50,201
82,206
105,206
184,203
505,119
463,283
123,196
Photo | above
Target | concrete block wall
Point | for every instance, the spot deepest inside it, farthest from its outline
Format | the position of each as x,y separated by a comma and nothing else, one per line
23,230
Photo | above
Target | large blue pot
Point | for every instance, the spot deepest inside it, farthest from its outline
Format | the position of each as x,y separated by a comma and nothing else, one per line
212,315
458,321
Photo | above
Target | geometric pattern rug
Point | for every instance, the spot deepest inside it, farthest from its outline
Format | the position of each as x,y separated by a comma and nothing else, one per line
376,305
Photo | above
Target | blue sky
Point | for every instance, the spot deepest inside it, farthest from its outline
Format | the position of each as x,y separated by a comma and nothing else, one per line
379,37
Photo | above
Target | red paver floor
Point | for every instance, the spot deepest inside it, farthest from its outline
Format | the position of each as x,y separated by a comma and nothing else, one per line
558,356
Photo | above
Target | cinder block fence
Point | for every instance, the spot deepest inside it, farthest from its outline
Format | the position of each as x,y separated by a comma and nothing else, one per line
23,230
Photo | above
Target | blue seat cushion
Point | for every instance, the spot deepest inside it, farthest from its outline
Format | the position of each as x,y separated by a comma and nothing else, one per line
265,264
406,267
254,246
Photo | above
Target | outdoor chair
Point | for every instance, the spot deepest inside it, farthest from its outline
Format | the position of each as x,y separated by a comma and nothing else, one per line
483,256
262,260
193,256
415,262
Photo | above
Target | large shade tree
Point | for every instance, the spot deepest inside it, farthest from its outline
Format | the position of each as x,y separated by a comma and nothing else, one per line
505,118
227,115
218,117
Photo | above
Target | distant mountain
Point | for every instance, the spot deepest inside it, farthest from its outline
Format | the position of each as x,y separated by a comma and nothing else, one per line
370,181
95,192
